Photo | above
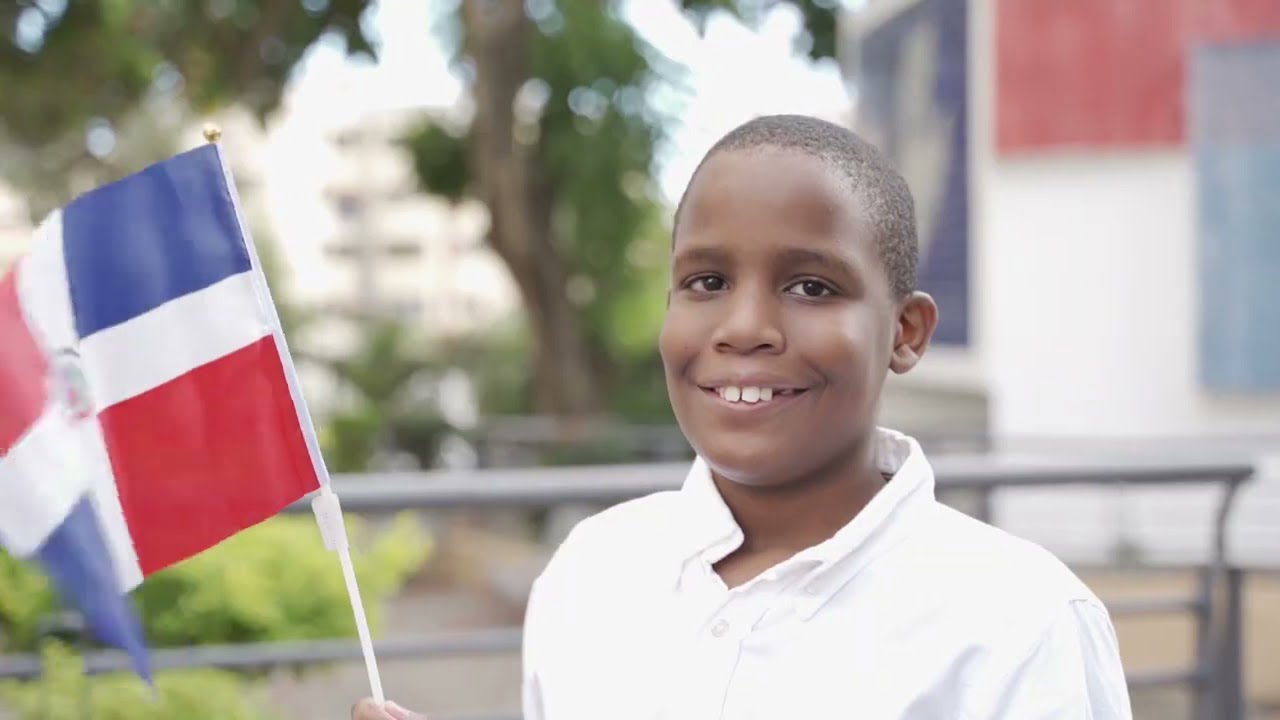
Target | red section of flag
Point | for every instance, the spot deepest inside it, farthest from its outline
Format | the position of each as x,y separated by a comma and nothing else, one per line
23,369
206,455
1107,73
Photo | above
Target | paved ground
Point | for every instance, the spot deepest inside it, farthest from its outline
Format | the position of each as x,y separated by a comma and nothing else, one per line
464,685
1169,641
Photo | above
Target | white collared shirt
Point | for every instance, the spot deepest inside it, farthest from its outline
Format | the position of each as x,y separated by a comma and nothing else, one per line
912,611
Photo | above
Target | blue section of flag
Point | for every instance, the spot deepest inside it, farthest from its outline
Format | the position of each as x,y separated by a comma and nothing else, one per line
1236,145
153,237
75,557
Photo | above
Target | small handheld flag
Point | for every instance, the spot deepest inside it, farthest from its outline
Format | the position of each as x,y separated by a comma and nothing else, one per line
151,290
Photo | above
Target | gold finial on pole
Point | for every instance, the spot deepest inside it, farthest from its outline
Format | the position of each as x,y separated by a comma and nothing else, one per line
212,132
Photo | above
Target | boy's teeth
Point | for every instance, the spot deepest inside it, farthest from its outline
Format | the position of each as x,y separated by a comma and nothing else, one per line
747,394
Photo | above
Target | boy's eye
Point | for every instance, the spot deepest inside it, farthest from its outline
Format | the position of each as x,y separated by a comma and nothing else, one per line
810,288
707,283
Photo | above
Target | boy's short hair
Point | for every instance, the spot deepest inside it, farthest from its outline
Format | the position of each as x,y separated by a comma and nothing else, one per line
881,191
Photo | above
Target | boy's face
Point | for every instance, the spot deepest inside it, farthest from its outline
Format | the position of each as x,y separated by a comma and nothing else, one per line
779,296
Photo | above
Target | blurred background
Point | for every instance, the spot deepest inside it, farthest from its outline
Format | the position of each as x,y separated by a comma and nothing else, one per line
464,210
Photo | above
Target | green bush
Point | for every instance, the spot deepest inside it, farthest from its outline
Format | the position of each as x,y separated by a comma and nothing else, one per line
25,598
272,582
187,694
275,582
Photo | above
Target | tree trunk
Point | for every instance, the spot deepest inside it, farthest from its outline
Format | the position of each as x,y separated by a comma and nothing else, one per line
498,35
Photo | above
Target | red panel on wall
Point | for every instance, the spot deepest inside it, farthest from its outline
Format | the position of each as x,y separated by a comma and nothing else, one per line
1107,73
1088,73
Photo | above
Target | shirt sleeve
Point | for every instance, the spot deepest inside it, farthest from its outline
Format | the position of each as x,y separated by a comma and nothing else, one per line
1073,672
531,660
531,698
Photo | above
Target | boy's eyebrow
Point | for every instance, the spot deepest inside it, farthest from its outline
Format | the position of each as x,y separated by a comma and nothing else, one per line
703,255
833,263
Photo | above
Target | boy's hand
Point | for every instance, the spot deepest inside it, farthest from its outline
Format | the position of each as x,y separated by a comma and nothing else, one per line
367,709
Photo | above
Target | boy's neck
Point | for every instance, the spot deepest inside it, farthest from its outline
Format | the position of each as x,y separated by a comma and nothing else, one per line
802,512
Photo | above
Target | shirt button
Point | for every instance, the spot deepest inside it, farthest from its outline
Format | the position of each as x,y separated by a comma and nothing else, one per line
720,628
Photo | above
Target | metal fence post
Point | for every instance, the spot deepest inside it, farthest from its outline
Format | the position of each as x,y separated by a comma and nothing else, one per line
1229,680
1206,662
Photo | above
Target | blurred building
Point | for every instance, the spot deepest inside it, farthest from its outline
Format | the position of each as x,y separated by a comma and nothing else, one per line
334,195
1098,191
1096,183
398,252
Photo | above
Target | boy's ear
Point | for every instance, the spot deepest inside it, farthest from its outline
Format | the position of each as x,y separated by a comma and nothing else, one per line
917,319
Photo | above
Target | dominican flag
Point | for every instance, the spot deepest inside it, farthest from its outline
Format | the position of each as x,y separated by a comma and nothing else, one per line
147,398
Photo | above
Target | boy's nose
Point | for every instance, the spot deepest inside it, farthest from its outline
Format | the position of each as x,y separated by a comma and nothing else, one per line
751,323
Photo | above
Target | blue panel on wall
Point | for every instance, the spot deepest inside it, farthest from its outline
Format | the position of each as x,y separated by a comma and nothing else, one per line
912,103
1235,114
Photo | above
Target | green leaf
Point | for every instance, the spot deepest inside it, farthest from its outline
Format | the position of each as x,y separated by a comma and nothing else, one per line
440,160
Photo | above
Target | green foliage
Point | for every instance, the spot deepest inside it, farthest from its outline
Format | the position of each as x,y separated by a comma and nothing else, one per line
595,133
382,412
26,596
498,364
187,694
275,582
440,160
350,439
138,69
271,582
820,19
102,58
387,359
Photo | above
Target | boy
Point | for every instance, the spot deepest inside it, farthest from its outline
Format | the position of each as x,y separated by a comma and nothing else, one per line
805,569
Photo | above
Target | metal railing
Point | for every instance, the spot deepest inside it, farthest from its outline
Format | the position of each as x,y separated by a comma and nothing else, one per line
1215,678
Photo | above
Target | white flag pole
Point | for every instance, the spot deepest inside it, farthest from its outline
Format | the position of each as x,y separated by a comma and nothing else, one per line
327,509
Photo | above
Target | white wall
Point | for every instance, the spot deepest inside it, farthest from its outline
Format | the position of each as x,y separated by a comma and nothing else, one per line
1092,300
1085,287
1086,302
1091,304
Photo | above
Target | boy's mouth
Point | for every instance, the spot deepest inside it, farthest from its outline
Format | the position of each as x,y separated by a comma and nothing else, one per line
749,395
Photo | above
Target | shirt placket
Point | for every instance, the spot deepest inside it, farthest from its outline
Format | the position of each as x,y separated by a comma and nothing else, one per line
718,647
715,651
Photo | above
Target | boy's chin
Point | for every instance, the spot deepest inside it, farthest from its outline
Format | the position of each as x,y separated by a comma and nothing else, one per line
750,469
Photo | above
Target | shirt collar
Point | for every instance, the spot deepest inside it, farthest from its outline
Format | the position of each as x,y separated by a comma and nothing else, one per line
711,533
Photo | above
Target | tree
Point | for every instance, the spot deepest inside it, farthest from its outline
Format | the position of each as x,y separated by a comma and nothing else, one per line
559,146
558,143
127,71
559,150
